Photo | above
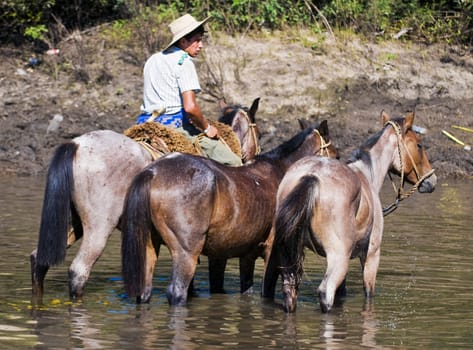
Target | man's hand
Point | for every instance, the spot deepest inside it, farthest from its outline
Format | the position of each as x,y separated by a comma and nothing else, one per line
212,132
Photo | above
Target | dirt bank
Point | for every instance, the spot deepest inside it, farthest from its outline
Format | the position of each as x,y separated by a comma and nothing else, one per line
344,81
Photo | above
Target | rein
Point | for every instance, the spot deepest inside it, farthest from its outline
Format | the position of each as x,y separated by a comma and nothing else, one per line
323,144
400,193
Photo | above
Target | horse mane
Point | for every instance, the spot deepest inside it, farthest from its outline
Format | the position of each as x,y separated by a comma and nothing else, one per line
362,152
289,146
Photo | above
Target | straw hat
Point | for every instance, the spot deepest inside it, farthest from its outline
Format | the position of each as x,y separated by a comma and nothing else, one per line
182,26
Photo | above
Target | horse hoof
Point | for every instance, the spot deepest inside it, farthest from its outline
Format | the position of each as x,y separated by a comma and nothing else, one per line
290,308
324,306
176,301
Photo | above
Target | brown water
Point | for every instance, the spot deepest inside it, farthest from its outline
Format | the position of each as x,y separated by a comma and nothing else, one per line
424,291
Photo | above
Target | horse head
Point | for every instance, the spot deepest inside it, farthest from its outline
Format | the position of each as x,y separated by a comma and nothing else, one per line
327,149
243,123
413,164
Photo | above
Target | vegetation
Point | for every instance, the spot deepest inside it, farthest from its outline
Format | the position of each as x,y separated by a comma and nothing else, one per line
47,21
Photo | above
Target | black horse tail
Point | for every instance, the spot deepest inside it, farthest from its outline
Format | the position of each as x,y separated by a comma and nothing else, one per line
292,224
57,207
136,226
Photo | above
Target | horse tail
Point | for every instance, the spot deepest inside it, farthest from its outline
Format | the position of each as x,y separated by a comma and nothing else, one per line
57,206
136,225
292,224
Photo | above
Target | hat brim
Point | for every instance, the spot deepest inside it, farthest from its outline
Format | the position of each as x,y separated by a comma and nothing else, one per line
188,30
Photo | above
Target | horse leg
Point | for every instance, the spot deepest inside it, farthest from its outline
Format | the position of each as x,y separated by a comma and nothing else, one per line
184,264
270,279
369,266
38,273
216,274
93,244
271,268
290,286
337,268
152,253
247,271
71,238
342,289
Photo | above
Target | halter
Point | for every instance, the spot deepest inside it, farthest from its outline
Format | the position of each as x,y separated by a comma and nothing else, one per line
252,127
400,193
323,144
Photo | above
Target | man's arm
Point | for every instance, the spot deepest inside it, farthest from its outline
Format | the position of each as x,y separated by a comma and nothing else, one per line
195,114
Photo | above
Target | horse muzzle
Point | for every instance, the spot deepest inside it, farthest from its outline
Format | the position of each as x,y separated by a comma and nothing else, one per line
428,184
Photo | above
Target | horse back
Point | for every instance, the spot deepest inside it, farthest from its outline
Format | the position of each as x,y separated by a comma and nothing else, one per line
104,166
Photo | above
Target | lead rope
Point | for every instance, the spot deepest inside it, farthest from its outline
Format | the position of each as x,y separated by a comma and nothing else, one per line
400,193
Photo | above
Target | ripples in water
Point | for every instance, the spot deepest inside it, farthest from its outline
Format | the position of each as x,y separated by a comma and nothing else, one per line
423,291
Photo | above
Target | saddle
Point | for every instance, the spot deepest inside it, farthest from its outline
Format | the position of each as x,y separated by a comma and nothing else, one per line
160,139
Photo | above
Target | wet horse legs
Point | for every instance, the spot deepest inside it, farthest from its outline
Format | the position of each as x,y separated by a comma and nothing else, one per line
183,270
92,247
337,268
152,253
38,273
369,267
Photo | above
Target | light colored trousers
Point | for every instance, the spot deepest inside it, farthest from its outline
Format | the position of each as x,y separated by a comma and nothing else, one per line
212,148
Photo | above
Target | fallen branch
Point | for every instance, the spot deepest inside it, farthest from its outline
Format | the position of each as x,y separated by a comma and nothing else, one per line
453,138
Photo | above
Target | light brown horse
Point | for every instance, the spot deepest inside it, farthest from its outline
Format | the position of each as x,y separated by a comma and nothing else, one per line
334,209
86,186
196,206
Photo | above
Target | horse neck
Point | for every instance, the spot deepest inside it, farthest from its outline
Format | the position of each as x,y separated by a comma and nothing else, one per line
305,149
382,155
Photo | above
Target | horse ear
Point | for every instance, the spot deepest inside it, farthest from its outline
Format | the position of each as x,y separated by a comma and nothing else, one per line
303,123
253,109
222,104
409,120
385,117
323,128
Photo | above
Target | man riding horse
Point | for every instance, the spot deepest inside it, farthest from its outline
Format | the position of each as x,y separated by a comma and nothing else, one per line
170,87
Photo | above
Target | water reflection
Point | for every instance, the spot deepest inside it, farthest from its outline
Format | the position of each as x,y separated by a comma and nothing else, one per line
423,295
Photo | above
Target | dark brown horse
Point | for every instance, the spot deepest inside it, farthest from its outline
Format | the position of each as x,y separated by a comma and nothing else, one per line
196,206
334,209
86,186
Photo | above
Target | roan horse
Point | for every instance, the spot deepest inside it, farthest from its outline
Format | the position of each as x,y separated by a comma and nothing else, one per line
86,185
195,206
334,209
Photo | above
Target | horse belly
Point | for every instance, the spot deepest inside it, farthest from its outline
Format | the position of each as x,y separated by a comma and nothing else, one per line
235,243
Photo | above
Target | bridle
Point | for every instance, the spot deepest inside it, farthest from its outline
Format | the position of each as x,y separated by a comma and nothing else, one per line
400,193
252,131
323,145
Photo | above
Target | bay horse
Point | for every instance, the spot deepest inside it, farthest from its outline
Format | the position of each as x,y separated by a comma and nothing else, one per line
334,209
86,185
195,206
